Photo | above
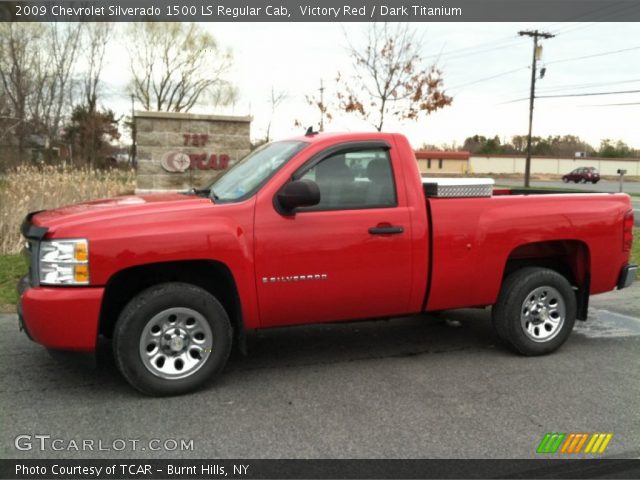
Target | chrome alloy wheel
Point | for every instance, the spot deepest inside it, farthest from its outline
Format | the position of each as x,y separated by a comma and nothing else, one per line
543,313
176,343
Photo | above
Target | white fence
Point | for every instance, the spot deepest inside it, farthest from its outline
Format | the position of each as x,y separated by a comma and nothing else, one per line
548,165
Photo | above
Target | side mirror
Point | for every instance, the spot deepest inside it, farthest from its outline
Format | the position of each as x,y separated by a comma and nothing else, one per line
298,193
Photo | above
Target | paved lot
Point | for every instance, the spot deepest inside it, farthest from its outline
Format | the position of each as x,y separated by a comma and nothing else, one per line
413,387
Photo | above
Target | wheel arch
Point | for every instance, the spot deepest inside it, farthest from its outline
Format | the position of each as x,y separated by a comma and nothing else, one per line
213,276
570,258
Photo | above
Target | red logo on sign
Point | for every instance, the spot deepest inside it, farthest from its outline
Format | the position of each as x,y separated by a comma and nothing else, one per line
178,162
203,161
175,162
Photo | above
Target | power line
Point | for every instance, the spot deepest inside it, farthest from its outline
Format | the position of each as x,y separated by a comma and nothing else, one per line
601,54
498,45
614,11
597,19
465,51
588,85
479,52
594,21
589,94
573,28
484,79
580,86
577,86
613,104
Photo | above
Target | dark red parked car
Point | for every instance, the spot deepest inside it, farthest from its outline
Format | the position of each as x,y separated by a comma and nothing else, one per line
582,175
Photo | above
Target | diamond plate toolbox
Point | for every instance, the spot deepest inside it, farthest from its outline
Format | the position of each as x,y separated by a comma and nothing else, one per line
457,187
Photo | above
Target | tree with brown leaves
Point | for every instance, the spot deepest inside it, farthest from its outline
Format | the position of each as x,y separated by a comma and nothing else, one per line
390,77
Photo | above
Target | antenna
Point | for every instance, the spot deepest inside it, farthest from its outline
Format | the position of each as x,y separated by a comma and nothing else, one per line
310,132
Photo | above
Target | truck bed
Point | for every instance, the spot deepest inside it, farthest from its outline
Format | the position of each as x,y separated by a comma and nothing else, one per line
473,224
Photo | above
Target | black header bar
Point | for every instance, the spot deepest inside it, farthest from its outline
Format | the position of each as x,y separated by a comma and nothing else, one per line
321,10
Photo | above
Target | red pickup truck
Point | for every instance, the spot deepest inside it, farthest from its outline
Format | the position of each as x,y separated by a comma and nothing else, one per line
320,228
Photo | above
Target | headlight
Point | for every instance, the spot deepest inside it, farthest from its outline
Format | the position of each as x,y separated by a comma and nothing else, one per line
64,262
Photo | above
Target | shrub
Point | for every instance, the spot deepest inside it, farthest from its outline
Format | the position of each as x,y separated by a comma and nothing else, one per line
29,188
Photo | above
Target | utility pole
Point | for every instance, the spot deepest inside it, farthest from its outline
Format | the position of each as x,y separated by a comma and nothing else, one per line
535,34
322,109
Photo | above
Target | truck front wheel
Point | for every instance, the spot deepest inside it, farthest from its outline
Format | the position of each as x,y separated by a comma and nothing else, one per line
536,311
171,338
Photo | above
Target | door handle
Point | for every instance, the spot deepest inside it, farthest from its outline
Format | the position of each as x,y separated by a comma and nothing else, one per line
386,230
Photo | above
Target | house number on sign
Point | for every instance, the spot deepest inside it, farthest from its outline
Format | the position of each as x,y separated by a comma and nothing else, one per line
195,139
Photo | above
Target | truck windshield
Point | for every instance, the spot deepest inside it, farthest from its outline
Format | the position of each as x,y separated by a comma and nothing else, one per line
250,173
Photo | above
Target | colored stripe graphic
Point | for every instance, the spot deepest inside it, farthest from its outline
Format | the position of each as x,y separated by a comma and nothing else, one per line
581,443
573,443
598,442
565,447
550,442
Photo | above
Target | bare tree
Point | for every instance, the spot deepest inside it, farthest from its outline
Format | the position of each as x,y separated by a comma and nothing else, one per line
176,65
87,125
390,77
275,100
53,99
36,67
8,124
97,37
18,59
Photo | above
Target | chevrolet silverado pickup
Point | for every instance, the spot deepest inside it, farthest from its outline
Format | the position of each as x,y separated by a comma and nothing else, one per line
319,228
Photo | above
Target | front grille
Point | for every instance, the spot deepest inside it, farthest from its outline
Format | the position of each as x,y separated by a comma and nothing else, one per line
31,250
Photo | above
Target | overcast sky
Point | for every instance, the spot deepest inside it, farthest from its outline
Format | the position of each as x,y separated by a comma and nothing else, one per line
293,57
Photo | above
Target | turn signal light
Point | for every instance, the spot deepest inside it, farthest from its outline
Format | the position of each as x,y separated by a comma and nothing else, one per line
81,273
81,252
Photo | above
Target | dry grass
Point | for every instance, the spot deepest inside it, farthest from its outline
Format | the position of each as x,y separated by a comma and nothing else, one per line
32,188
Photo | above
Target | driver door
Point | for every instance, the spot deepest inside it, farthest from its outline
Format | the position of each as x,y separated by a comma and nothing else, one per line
348,257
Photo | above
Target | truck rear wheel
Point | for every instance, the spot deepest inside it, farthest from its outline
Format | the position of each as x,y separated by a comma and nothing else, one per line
171,338
535,312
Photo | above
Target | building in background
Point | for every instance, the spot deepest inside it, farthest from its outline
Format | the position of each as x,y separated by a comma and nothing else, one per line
439,162
434,162
551,165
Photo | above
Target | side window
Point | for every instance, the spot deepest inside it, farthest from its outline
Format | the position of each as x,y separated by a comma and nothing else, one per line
353,180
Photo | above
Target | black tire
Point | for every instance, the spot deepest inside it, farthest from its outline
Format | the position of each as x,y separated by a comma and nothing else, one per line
565,180
594,181
510,306
152,302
